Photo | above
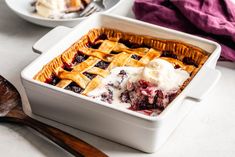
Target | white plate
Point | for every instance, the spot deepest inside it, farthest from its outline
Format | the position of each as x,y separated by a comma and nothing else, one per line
24,9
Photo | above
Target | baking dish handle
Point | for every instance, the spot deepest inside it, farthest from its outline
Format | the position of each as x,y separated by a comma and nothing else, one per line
50,38
202,83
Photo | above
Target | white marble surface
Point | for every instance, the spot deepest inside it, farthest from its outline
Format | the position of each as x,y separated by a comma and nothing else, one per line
208,131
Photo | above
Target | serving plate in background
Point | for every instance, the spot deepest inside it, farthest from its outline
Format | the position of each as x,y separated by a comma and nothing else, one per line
124,126
24,10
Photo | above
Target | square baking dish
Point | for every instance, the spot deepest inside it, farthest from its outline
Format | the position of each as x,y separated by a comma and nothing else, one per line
124,126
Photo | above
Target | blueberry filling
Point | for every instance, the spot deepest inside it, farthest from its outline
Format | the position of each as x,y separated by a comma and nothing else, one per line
74,87
125,42
189,61
67,67
107,96
102,37
146,46
172,97
54,80
143,95
79,58
167,53
135,57
114,52
89,75
96,46
122,73
102,64
132,45
177,66
125,97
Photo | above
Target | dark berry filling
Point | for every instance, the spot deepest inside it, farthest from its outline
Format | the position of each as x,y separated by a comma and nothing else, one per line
96,46
172,97
89,75
107,96
135,57
143,95
146,46
122,73
102,64
177,66
67,67
102,37
128,44
189,61
53,80
79,58
74,87
125,42
133,45
167,53
89,43
125,97
114,52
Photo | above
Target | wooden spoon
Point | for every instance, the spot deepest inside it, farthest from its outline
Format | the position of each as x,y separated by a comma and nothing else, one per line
11,111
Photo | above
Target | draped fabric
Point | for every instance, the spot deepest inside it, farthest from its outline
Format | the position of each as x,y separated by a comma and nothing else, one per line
211,19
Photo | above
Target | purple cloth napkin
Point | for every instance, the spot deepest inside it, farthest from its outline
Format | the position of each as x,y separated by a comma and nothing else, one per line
212,19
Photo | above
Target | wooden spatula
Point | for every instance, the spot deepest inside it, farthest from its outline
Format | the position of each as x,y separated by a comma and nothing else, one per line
11,111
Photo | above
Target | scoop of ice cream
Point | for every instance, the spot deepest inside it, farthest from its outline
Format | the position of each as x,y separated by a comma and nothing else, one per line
164,75
50,8
139,88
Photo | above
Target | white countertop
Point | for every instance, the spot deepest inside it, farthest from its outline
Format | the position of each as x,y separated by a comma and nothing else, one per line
208,130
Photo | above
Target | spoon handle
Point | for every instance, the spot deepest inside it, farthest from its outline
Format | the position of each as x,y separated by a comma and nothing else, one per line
69,142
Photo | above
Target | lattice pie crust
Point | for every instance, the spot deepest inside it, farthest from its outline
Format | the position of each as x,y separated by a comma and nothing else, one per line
115,48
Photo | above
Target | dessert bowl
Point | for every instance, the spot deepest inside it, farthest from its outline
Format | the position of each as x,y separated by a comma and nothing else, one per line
24,9
146,133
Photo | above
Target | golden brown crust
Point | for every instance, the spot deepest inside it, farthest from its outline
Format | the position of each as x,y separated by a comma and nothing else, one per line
149,48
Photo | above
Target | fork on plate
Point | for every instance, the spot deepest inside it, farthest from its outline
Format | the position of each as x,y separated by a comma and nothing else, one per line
94,6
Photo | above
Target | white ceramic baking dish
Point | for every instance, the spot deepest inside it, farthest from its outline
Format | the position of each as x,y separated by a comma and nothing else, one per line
121,125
